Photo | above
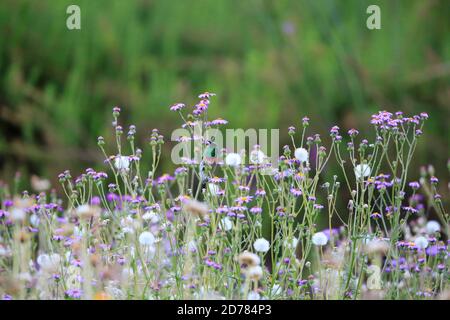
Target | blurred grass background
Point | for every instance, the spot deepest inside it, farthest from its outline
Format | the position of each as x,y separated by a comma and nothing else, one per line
270,63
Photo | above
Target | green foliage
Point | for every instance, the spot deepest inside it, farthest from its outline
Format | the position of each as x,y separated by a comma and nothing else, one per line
270,62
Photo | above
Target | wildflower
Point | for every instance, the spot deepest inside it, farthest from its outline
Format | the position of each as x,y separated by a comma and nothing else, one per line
301,154
291,130
305,121
414,185
196,208
421,242
86,211
261,245
177,107
257,156
319,239
334,131
253,295
248,259
233,160
254,273
217,180
165,178
424,115
373,281
201,107
122,163
180,171
39,184
353,132
434,180
34,220
256,210
245,199
17,214
276,290
376,246
296,192
362,170
222,209
49,263
146,238
74,293
213,188
192,246
218,121
225,224
410,209
292,244
206,95
260,193
433,227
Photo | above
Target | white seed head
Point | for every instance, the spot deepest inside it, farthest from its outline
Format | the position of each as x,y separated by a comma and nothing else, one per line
301,154
233,160
362,170
254,273
261,245
122,163
319,239
146,238
433,227
257,157
225,224
421,242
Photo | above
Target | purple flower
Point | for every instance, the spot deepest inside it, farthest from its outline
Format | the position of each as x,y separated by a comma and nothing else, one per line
74,293
95,201
222,209
239,208
432,250
334,131
375,215
244,199
260,193
4,213
302,282
305,121
256,210
424,115
296,192
165,178
217,180
8,203
206,95
410,209
218,122
76,263
414,185
353,132
177,107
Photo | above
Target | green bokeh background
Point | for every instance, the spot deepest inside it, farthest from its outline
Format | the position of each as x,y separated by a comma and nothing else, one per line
270,63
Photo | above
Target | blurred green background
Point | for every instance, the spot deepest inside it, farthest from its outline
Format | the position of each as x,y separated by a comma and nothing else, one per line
270,63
